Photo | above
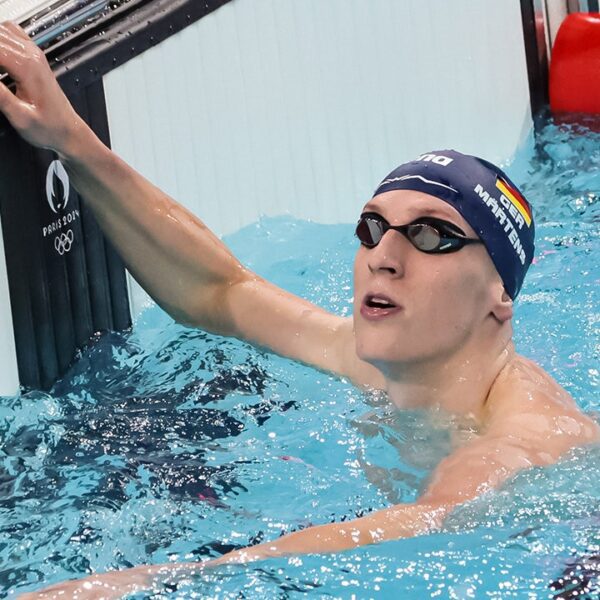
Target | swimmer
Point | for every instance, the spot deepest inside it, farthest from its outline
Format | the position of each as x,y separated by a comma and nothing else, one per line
445,243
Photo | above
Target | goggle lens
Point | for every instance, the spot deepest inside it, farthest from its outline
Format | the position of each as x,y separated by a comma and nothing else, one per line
370,231
424,237
427,235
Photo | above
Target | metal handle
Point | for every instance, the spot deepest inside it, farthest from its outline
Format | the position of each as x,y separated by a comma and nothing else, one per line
61,17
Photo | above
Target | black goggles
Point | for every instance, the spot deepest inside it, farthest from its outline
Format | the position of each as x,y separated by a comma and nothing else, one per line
427,234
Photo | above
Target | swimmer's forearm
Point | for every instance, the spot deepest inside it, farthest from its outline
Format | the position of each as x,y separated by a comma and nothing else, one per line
118,584
173,255
400,521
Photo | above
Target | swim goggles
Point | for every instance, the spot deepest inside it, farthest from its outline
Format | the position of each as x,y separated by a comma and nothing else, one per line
427,234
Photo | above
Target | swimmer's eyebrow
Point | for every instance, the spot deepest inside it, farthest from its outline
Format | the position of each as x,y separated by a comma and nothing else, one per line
418,212
368,207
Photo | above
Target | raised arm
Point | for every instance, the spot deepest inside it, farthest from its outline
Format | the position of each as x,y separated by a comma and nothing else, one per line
182,264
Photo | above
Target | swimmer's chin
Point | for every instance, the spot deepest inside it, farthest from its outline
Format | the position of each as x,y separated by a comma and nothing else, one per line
387,360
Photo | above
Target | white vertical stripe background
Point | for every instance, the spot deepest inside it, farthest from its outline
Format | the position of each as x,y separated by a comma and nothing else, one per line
302,106
266,107
9,378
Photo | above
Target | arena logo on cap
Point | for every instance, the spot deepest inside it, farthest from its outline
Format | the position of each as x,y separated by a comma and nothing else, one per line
438,159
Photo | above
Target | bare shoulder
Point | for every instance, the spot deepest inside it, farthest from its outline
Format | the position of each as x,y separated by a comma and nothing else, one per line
530,420
528,406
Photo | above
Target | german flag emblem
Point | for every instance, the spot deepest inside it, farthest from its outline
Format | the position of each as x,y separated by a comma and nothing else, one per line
515,197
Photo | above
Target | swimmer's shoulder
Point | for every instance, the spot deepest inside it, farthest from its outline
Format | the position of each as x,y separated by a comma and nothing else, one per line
528,406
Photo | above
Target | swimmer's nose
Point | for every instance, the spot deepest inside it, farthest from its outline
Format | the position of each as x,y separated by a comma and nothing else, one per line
389,255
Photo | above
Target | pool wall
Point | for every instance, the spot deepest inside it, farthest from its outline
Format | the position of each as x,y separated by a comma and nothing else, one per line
288,106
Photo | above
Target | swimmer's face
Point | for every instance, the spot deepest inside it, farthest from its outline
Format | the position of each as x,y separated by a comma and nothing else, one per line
439,301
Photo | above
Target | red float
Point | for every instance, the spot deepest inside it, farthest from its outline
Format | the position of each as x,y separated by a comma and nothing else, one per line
575,66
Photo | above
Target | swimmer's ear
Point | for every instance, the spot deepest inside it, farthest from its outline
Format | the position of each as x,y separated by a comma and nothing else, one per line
503,307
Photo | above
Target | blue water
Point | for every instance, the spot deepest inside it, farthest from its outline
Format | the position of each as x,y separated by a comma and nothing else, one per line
169,444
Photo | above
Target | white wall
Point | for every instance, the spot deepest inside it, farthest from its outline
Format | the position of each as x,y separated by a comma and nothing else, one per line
19,10
9,378
302,106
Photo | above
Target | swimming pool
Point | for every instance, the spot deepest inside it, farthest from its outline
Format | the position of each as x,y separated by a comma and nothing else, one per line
172,444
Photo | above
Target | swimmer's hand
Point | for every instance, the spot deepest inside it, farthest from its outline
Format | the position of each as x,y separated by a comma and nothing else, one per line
118,584
38,110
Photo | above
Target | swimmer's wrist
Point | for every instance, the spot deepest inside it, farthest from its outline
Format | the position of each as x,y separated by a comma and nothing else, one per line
76,141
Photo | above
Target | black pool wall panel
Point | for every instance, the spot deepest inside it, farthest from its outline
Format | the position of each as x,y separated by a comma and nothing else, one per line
65,281
536,53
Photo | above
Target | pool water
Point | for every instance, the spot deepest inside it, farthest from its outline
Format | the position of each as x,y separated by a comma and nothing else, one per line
169,444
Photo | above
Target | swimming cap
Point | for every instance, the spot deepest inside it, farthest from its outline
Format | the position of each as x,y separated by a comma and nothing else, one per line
487,199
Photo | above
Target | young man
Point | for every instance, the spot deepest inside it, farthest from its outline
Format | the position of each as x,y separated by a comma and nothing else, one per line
445,244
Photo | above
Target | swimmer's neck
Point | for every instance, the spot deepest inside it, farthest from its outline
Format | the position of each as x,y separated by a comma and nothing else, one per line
458,385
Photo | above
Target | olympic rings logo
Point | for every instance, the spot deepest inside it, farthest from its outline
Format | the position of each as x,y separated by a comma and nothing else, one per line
64,242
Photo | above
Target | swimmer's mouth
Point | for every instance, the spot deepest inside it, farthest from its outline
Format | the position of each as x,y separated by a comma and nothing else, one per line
376,306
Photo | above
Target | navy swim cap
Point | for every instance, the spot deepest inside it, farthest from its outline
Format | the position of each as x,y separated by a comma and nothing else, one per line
487,199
